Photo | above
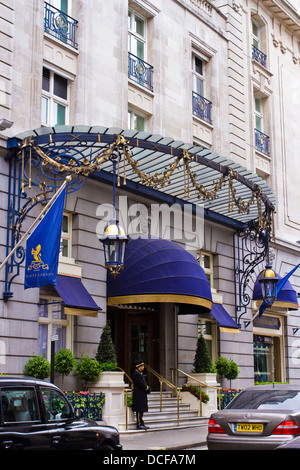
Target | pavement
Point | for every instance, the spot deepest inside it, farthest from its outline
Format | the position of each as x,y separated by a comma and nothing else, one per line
164,439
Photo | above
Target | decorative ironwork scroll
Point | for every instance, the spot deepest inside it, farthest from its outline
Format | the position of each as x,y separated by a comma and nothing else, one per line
60,25
251,247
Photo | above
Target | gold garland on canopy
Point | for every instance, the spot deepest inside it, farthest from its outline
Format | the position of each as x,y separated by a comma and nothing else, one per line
158,180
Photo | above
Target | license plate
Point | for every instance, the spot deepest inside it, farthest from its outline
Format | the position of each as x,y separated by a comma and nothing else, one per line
248,427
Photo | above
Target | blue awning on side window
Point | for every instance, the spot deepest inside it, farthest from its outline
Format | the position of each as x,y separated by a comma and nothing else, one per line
287,297
76,299
224,320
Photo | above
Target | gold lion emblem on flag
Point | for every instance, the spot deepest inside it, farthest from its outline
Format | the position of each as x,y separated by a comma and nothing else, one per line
37,263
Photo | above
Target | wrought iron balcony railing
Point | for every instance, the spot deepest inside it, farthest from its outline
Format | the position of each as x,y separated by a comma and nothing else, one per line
262,142
202,108
60,25
259,56
139,71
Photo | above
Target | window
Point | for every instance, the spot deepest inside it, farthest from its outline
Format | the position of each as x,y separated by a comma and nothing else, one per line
258,114
136,121
136,35
261,139
62,5
258,38
55,100
267,349
19,405
66,236
138,69
54,323
255,34
266,399
198,75
57,407
206,262
201,105
207,329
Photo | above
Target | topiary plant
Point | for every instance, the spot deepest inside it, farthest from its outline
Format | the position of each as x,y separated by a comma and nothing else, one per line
38,367
227,368
202,361
106,353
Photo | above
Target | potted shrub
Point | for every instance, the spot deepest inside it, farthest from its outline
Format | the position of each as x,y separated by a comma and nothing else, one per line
38,367
64,363
88,369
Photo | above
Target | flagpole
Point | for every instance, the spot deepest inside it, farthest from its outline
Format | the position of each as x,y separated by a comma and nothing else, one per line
37,220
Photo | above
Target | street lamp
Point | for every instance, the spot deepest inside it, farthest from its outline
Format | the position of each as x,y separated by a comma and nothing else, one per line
268,282
114,239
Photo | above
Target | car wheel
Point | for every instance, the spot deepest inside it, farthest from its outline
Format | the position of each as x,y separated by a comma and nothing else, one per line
106,447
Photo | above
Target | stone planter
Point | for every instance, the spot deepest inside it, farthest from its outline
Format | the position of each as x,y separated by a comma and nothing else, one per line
112,385
194,402
210,379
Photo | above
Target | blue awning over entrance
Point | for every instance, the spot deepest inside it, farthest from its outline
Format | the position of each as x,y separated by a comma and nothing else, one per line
287,297
223,318
157,270
76,299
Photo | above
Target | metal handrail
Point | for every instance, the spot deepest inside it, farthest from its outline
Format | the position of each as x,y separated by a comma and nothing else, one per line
201,384
127,376
162,380
168,384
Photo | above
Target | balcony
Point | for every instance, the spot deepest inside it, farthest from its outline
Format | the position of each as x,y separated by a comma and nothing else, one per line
202,108
259,56
262,142
60,25
140,72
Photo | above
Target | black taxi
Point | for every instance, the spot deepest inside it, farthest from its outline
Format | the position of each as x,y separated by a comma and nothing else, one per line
36,415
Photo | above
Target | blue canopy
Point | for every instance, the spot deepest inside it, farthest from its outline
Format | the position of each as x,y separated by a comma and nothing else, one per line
76,299
287,297
157,270
223,318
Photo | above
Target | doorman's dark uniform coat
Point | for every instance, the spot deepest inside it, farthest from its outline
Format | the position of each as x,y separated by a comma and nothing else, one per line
140,391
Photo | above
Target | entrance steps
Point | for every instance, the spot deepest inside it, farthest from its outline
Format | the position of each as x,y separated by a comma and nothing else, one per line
167,418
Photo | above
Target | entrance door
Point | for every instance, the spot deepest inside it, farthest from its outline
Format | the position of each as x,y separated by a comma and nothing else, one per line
136,336
139,339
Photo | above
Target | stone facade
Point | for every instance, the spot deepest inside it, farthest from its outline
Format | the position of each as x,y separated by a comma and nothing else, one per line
219,34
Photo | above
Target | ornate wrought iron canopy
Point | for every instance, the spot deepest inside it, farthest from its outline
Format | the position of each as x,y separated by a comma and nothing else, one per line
41,159
191,173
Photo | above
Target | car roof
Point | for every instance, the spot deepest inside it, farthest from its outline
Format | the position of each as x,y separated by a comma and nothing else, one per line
24,381
273,387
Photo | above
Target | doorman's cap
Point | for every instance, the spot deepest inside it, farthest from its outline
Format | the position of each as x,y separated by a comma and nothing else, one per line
139,363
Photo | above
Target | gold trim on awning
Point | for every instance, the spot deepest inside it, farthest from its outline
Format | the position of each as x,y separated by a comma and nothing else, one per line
81,312
162,298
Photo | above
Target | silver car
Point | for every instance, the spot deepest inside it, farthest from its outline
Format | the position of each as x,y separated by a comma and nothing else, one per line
260,417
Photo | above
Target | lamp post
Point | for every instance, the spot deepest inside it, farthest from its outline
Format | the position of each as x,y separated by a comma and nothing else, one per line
114,239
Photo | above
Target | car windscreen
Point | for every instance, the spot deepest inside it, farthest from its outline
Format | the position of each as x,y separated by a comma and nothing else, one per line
266,399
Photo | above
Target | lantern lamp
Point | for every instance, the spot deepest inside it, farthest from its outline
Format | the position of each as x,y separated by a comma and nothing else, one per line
114,241
268,282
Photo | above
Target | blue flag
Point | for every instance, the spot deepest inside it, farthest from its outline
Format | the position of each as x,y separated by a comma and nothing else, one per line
280,285
42,247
